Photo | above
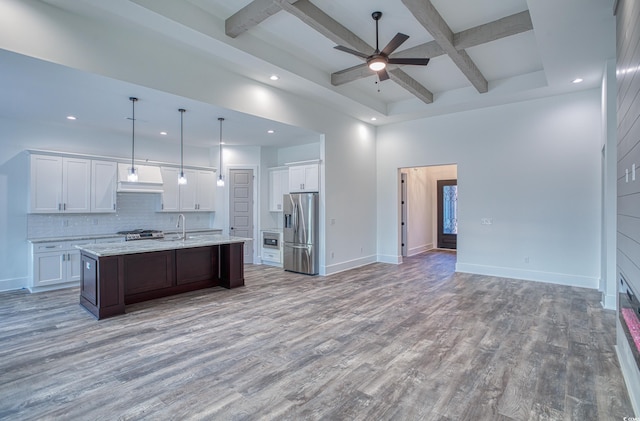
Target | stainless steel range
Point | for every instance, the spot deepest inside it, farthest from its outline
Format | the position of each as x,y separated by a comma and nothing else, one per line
141,234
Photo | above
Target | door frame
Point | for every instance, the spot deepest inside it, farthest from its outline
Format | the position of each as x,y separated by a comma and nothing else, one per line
256,201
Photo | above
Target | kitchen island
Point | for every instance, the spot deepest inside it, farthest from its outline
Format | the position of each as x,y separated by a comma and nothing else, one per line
116,274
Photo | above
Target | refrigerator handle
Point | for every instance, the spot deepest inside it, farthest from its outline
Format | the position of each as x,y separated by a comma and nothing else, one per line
295,216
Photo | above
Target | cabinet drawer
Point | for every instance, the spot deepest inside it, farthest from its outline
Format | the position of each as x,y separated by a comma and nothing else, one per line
45,247
271,255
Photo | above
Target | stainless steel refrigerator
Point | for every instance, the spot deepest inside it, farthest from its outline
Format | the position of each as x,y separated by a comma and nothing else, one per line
300,212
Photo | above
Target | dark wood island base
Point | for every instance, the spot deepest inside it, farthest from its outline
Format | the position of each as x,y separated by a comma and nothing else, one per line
108,283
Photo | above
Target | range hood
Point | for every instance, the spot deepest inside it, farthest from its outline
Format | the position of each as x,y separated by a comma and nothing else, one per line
149,179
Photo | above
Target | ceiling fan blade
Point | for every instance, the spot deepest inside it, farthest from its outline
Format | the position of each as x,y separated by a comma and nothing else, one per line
350,51
394,43
383,75
416,61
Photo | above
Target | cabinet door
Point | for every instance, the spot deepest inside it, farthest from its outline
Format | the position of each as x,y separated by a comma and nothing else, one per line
76,185
73,266
45,184
205,193
275,190
188,192
49,268
103,186
311,178
170,193
296,179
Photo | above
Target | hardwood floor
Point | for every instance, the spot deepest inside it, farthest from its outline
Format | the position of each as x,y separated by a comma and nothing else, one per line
383,342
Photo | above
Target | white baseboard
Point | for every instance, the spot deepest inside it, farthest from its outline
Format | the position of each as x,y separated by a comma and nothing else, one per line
351,264
385,258
70,284
13,284
530,275
420,249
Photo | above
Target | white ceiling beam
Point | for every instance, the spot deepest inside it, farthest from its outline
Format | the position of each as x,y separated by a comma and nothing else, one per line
429,17
410,84
251,15
501,28
330,28
325,24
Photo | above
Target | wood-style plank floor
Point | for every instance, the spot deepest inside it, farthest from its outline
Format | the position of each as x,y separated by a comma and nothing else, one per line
409,342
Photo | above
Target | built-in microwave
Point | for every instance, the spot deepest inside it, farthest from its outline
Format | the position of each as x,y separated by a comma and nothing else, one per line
271,240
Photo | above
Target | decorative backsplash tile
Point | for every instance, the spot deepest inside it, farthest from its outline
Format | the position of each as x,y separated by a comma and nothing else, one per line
134,210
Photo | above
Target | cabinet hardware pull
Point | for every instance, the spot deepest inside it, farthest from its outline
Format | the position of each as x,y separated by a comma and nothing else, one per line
50,247
64,206
59,206
63,257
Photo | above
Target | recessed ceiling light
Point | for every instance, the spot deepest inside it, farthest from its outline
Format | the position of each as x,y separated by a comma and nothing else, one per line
163,133
577,80
270,131
71,117
373,119
274,77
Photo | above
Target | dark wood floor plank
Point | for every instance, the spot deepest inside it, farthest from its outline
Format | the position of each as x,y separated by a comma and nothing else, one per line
384,342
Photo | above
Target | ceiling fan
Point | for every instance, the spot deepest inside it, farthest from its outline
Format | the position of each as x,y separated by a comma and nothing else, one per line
379,59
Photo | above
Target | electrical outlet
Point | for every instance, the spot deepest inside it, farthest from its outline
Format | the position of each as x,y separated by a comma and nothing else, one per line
65,222
486,221
332,255
526,259
95,221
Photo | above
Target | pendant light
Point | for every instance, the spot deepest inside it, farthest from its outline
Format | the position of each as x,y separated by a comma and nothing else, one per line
133,174
181,178
220,178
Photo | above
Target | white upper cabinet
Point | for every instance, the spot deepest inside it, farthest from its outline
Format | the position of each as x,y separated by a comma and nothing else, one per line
171,193
278,186
103,186
195,196
205,191
59,184
304,178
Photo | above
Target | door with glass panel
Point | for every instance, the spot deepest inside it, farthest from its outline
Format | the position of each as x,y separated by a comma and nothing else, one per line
447,214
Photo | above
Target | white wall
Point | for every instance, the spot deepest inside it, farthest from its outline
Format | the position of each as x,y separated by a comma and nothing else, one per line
533,167
347,145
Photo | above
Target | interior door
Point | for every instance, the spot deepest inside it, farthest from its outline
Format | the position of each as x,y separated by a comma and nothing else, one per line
241,208
447,214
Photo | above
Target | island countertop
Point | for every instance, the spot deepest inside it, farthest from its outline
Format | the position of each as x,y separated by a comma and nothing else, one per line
168,243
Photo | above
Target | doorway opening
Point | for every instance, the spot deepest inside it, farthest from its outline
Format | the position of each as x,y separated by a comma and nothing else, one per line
419,209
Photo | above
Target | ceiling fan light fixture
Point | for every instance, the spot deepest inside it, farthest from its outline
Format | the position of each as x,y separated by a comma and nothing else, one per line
376,64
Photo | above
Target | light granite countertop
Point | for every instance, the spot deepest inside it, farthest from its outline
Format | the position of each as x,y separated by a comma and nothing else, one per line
168,243
114,236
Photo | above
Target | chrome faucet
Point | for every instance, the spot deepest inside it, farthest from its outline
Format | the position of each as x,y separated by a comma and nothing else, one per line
184,225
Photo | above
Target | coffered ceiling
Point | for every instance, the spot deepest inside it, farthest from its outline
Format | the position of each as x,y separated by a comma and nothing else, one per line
482,52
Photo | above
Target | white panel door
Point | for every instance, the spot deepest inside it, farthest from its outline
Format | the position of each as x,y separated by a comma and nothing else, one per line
241,208
49,268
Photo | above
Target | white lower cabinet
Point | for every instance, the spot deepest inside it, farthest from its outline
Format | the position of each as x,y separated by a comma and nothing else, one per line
56,265
270,255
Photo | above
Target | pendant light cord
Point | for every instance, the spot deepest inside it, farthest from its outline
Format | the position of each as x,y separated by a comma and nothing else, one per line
182,110
220,119
133,129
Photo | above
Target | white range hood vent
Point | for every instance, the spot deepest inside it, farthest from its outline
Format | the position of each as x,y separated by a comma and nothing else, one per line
149,179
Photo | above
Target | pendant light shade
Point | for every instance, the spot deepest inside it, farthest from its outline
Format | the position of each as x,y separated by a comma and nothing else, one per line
181,179
133,173
220,178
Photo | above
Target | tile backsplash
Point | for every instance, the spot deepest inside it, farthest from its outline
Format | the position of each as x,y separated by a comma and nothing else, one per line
134,210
